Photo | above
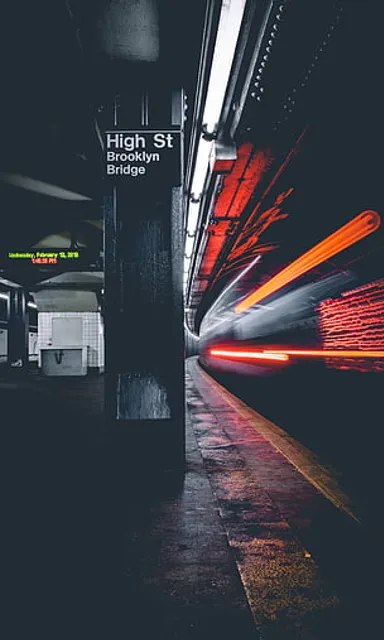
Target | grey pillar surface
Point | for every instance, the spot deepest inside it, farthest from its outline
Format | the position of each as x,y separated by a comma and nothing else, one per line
18,330
144,363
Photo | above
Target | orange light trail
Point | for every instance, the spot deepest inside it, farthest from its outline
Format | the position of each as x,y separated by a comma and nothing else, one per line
249,355
323,353
361,226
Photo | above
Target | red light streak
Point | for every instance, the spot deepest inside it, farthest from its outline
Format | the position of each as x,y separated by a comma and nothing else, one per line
248,355
361,226
282,355
325,353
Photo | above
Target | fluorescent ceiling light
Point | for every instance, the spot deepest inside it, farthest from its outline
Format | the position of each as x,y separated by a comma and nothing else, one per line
201,166
193,217
186,265
226,40
189,245
231,16
38,186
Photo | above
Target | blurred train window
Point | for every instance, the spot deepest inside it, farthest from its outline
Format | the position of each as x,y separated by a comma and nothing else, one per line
32,317
3,310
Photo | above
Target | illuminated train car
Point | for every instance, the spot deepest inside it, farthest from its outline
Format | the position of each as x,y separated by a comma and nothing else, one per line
33,335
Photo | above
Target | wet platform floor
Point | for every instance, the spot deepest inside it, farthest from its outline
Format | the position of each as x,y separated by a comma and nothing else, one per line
241,545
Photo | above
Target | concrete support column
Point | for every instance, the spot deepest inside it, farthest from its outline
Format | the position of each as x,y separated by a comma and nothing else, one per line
18,330
144,365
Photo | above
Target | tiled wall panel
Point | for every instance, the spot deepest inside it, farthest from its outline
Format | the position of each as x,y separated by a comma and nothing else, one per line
92,333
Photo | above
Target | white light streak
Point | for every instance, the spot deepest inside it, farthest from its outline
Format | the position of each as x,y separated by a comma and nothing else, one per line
234,281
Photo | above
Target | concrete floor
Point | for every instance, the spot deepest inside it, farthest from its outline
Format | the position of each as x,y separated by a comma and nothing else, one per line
97,549
98,545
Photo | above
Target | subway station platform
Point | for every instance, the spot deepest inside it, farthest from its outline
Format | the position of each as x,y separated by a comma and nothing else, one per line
255,540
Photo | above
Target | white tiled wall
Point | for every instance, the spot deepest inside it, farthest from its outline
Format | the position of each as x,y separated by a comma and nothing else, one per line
93,336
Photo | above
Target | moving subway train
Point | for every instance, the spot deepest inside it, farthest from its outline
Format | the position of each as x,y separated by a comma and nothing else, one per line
337,317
